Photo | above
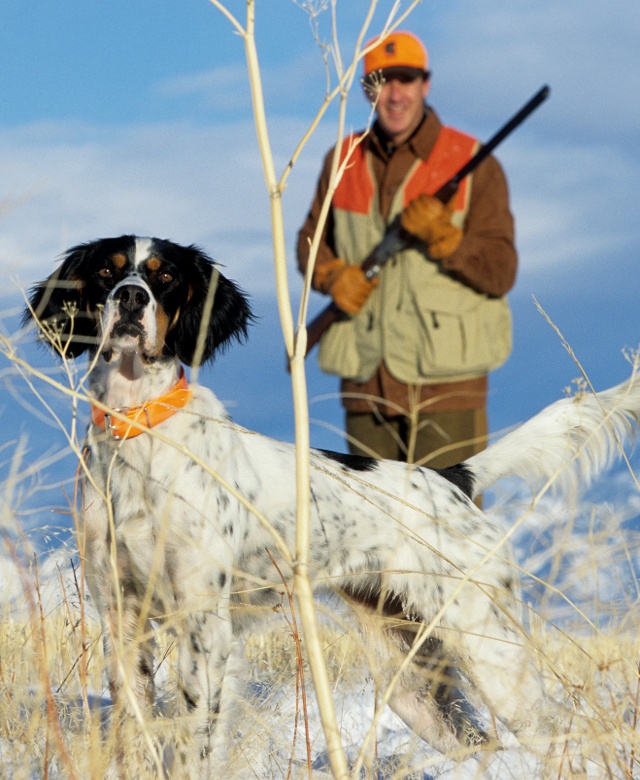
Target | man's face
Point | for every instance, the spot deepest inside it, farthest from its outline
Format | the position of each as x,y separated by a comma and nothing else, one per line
400,105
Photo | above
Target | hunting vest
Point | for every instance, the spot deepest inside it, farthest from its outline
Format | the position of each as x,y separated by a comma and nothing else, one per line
424,324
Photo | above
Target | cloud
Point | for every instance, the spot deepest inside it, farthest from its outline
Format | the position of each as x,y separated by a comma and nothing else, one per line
573,202
289,88
185,182
586,51
225,88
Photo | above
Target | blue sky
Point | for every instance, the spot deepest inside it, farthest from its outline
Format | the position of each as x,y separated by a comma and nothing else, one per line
136,117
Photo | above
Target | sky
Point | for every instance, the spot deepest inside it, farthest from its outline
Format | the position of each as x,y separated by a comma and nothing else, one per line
122,117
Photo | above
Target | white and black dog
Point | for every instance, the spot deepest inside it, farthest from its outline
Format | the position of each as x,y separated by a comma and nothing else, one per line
182,508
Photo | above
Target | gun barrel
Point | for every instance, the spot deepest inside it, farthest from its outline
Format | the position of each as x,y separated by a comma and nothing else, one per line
485,150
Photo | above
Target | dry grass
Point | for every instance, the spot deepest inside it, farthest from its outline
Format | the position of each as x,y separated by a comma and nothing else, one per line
54,717
600,675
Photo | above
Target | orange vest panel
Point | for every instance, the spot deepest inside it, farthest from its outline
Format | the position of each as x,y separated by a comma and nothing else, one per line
356,189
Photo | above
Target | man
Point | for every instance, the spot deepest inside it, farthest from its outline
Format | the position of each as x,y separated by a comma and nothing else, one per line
415,350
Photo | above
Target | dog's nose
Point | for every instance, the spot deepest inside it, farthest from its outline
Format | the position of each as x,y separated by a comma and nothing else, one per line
132,298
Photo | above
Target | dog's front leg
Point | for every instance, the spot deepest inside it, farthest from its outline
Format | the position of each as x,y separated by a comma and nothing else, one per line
128,645
128,648
202,662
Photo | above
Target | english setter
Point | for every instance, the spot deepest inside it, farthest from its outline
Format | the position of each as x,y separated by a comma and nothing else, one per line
182,509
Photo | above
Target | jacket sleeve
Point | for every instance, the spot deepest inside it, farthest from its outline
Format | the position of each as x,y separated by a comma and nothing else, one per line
486,259
326,250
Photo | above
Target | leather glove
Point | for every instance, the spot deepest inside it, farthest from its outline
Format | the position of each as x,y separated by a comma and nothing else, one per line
346,284
429,220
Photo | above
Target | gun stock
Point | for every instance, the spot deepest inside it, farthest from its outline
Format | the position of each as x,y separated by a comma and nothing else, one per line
396,239
321,323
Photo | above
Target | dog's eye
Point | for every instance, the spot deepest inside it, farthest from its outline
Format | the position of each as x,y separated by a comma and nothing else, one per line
165,277
105,273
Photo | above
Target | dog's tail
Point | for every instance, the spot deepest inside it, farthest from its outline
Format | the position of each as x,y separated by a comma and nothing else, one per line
569,442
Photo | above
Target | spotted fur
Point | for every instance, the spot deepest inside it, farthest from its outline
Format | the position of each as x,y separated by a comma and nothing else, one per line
188,516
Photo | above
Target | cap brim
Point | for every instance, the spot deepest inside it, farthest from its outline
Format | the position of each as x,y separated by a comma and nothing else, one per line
400,71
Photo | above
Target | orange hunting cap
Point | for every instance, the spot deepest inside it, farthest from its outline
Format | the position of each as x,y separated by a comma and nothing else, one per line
398,50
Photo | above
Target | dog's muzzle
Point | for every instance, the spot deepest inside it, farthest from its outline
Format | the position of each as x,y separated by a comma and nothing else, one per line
130,313
131,301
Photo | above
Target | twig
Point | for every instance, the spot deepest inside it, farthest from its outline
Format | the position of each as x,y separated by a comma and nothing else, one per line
293,624
635,719
52,713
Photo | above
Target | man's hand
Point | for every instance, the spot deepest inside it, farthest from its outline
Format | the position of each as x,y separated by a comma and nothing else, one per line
346,284
429,219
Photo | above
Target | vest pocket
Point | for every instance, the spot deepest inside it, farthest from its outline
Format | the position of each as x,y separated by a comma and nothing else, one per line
338,353
475,340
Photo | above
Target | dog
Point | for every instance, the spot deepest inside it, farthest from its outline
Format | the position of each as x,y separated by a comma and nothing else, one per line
186,514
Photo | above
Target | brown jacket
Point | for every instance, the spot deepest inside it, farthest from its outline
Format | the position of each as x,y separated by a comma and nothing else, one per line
485,261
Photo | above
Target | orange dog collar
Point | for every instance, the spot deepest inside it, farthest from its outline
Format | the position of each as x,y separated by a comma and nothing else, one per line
141,418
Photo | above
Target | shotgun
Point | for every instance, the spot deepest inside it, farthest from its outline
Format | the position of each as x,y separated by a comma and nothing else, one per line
396,239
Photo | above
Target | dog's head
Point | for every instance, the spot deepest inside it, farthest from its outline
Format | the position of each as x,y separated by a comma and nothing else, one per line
147,294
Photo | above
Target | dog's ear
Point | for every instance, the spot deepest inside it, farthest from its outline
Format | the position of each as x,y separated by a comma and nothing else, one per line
216,312
59,305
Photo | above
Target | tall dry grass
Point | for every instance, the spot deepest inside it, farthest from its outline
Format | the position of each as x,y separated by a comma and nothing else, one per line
56,719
